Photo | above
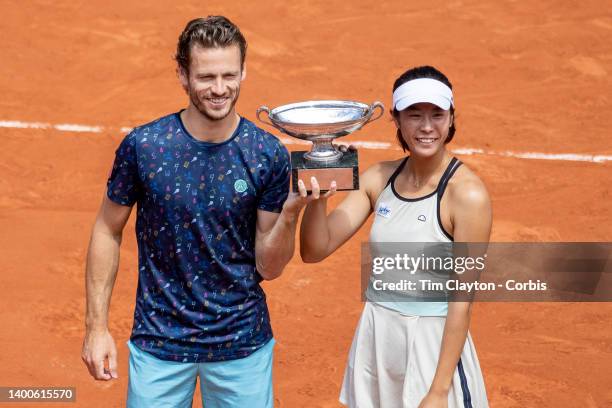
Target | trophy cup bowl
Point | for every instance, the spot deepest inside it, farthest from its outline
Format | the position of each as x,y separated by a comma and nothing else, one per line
320,122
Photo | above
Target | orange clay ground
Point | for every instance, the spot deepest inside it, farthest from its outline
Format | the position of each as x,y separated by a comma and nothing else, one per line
528,77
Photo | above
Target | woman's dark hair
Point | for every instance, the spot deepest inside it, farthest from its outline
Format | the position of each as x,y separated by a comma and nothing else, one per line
423,72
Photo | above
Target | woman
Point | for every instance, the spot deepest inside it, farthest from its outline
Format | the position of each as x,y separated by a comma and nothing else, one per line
410,354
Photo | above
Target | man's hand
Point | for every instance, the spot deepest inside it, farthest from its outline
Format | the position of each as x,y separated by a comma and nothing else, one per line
100,355
296,201
299,200
275,236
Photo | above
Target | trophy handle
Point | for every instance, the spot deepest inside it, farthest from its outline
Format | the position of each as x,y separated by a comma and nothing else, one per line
371,111
264,108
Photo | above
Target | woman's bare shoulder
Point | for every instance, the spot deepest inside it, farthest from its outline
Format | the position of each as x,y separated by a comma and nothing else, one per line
379,173
465,187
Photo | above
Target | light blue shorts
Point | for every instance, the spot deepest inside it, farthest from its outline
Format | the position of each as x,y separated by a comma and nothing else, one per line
245,382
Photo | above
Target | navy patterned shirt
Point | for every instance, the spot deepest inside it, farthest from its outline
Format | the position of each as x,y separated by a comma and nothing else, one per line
198,296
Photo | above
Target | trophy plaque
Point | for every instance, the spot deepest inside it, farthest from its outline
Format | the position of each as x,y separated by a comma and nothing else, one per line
320,122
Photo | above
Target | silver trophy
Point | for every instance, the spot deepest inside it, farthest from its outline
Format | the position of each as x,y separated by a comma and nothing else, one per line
321,122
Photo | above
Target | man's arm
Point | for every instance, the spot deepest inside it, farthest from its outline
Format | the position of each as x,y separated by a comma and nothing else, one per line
274,242
101,271
275,235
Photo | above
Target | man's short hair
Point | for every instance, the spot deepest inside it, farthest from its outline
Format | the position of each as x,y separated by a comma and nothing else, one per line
209,32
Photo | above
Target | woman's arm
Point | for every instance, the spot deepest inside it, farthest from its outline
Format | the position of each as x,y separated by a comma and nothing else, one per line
471,219
321,234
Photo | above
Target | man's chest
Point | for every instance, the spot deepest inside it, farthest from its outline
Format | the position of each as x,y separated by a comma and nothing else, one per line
185,180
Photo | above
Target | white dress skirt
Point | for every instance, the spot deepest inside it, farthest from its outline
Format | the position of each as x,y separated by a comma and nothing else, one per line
393,360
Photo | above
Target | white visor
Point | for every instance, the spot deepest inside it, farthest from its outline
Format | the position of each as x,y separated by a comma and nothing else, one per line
423,90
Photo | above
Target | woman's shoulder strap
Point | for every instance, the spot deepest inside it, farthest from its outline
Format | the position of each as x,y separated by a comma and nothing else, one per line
397,171
448,173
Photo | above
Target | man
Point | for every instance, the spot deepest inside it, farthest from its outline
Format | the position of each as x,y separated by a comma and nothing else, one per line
212,221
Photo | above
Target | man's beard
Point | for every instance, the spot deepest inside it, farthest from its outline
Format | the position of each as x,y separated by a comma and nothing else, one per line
201,107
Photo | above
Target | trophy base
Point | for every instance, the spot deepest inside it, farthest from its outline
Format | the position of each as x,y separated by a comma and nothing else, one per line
344,171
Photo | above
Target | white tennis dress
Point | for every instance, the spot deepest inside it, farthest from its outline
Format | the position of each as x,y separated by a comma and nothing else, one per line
395,350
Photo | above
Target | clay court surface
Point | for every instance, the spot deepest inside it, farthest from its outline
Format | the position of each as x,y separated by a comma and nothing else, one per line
528,77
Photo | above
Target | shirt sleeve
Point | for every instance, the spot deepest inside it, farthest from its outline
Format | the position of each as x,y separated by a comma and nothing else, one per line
276,188
123,185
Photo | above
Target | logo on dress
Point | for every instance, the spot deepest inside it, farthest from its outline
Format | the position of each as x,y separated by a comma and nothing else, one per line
421,218
240,186
383,210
